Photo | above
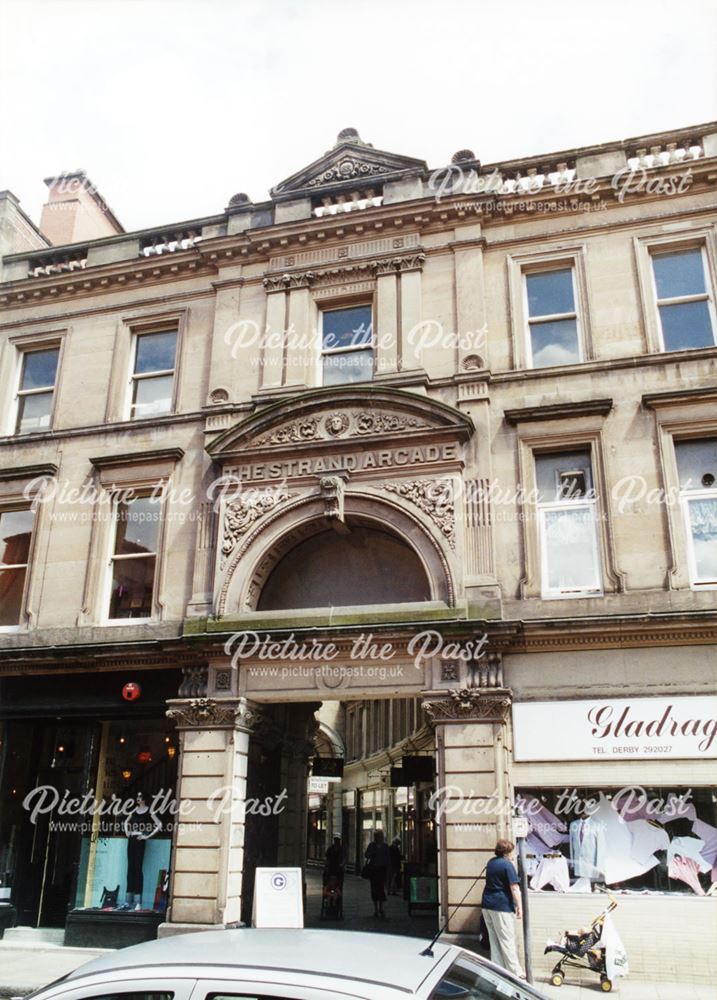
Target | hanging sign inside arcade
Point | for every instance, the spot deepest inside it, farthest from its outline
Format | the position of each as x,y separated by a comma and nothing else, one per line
615,728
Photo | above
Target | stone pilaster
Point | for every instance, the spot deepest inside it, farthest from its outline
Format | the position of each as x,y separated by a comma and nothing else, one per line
473,795
208,848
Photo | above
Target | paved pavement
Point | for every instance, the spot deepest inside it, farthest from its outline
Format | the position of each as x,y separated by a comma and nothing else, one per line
24,967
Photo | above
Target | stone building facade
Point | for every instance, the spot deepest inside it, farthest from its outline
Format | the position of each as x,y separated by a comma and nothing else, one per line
395,433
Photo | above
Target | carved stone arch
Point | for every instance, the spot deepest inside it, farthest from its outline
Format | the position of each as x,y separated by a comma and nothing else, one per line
277,534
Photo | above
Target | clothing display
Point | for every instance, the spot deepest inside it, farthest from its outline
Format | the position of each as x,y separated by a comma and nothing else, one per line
647,837
551,830
552,871
686,870
581,885
708,834
688,847
587,848
622,840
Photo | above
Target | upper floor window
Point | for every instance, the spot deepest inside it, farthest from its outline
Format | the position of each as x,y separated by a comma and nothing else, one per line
134,558
684,300
15,537
697,468
553,325
153,369
569,552
36,389
347,345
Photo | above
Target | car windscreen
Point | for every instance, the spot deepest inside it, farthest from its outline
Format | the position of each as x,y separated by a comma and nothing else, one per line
471,981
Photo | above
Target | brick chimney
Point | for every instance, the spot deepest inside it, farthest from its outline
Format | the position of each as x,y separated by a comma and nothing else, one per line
75,211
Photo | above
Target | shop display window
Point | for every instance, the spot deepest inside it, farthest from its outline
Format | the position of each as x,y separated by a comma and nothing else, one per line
125,852
632,840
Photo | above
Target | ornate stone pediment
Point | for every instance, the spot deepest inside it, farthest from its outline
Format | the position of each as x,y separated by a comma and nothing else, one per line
351,162
345,416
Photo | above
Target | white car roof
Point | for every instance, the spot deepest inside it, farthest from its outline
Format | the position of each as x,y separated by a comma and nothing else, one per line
387,959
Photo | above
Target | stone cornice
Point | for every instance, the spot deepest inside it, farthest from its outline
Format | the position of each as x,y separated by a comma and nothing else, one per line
344,272
678,397
99,279
137,458
560,411
19,472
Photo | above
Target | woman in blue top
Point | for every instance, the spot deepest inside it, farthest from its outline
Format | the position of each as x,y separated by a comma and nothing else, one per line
501,907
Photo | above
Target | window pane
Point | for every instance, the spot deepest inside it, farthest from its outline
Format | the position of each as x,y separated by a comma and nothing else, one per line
152,396
15,535
156,352
347,327
686,325
555,472
703,524
697,464
679,273
137,526
554,343
550,292
12,582
132,585
569,540
39,369
33,413
354,366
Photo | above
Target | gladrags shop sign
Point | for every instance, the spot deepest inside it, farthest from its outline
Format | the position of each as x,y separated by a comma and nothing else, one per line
612,728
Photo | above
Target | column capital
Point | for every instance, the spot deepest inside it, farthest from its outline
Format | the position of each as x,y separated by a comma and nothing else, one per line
468,704
211,713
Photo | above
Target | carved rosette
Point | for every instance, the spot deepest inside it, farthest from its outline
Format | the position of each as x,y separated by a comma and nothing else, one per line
206,713
435,498
241,514
469,705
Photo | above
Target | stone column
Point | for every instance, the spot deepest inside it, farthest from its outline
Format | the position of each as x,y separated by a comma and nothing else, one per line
410,268
273,357
473,794
298,746
386,319
208,845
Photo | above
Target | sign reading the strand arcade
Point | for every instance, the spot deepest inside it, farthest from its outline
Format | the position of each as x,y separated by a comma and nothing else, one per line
610,728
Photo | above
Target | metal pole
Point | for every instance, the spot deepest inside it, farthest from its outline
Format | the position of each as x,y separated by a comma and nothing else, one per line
526,915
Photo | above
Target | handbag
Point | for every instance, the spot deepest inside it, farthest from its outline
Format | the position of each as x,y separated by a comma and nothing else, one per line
366,870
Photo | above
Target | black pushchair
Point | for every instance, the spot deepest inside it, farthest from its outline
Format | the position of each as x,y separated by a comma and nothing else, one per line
332,905
583,950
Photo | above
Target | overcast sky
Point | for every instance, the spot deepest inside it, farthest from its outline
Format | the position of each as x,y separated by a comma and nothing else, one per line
172,106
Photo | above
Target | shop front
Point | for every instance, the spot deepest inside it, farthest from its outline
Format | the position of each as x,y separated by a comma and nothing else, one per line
621,803
87,801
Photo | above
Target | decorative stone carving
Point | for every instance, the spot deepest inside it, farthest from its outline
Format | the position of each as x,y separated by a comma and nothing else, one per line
488,671
340,424
336,424
223,680
469,704
211,714
285,282
382,423
435,498
194,681
332,490
347,169
242,513
217,396
449,671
